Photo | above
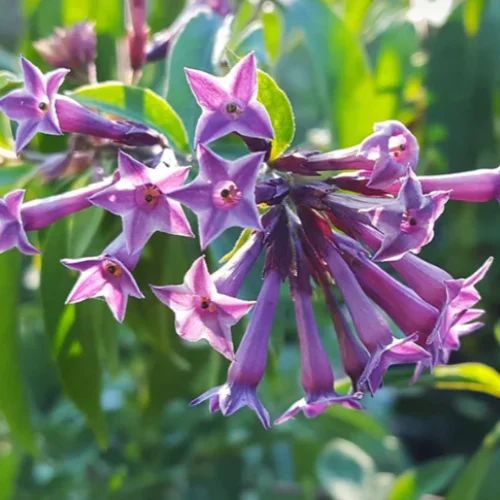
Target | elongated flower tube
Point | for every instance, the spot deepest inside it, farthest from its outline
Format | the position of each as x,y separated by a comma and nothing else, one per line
16,217
229,278
230,103
108,275
246,373
387,154
38,108
223,194
201,311
141,198
317,373
407,222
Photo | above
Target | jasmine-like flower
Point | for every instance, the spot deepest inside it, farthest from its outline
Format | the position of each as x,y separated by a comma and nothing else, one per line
223,194
230,103
107,275
407,222
141,198
34,105
201,312
247,371
38,108
16,217
12,232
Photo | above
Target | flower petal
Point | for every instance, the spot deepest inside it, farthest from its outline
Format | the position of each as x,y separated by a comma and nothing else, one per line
208,90
243,78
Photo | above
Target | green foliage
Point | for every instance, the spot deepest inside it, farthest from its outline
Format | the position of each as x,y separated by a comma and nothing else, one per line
135,104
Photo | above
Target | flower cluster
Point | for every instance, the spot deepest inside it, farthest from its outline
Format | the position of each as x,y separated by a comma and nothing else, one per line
332,235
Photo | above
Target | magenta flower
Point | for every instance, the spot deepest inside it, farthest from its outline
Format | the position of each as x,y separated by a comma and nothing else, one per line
201,312
107,275
247,371
12,232
317,373
137,34
230,103
141,198
74,48
407,222
223,194
34,105
393,148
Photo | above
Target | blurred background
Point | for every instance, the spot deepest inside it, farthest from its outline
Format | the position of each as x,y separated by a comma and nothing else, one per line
115,422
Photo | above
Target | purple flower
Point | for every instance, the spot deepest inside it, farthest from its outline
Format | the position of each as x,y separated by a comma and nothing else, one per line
73,48
141,198
230,103
38,108
201,312
393,148
407,222
12,232
108,276
371,327
475,186
317,374
247,371
34,105
223,194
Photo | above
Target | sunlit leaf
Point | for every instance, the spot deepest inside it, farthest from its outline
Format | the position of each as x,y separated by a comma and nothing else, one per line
10,462
135,104
472,16
280,111
272,24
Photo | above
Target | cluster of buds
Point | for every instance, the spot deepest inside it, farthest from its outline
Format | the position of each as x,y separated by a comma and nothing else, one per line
325,233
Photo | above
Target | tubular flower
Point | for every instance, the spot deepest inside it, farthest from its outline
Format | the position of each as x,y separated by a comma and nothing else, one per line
17,217
230,103
137,34
38,108
108,275
223,194
141,198
201,311
324,235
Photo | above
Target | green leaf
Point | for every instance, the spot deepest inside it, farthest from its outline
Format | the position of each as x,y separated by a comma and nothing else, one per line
472,16
429,478
72,334
10,462
272,24
193,49
13,397
466,376
346,471
135,104
109,16
355,13
281,113
84,226
79,368
469,483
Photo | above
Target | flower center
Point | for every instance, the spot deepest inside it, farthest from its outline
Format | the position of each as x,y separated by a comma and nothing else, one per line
43,106
226,195
112,268
234,109
207,305
151,194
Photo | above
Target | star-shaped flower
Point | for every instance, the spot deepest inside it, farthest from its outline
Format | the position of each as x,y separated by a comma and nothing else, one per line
12,232
34,105
201,312
230,103
141,198
393,148
107,275
223,194
407,222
